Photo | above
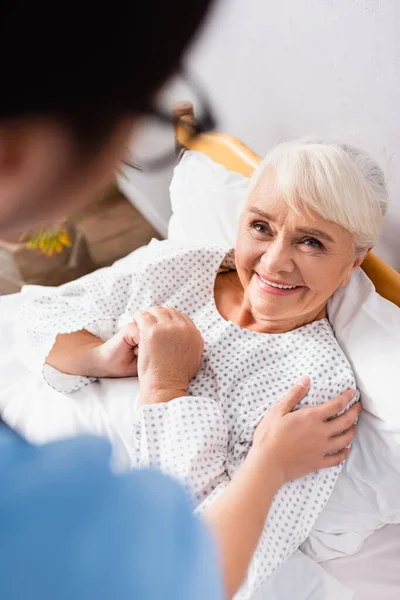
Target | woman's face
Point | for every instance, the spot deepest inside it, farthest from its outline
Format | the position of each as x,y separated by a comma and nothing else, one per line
289,265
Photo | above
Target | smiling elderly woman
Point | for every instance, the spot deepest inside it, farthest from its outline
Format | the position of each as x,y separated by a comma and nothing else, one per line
313,212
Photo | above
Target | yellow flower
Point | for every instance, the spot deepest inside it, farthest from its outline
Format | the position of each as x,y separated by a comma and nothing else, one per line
64,237
51,240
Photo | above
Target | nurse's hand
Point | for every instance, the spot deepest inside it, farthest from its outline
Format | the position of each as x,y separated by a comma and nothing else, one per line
308,439
286,445
169,353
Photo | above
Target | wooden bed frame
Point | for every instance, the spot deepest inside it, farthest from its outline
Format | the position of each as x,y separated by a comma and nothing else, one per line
236,156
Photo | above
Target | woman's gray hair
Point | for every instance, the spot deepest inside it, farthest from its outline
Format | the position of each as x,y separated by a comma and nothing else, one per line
341,183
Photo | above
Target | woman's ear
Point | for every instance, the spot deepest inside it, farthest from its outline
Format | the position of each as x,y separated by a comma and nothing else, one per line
360,259
356,263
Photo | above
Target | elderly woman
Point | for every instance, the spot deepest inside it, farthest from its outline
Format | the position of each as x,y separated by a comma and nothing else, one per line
251,321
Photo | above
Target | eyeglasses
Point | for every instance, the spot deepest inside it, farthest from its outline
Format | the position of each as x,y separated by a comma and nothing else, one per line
164,119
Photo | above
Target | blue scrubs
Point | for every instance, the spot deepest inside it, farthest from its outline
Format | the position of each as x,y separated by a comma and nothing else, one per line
71,529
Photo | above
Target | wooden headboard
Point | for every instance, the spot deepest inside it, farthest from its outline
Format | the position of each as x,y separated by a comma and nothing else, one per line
236,156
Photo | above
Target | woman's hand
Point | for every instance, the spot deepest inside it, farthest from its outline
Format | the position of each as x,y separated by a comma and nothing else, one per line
81,353
118,356
169,354
308,439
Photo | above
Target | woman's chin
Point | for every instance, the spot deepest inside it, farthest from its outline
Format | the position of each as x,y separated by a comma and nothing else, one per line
272,310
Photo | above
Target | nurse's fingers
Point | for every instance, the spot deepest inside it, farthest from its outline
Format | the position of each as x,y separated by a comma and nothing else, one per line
338,442
344,421
333,460
331,409
294,395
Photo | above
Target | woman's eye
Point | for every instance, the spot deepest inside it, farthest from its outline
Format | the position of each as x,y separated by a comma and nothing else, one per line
313,243
260,227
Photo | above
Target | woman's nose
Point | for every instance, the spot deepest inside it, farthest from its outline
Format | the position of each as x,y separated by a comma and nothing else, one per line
277,258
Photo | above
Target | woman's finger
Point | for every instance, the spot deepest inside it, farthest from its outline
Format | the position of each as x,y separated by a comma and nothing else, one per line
187,319
144,319
176,315
160,313
131,333
331,409
295,395
344,421
338,442
333,460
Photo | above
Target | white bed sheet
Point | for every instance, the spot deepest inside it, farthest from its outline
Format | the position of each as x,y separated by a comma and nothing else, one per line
374,572
41,414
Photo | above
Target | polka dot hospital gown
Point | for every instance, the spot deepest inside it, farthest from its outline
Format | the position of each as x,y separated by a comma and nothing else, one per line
203,439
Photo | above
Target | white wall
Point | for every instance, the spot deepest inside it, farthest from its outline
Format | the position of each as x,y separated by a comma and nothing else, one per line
278,69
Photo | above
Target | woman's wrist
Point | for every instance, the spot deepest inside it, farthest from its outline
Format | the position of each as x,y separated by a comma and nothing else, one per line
94,362
150,394
76,354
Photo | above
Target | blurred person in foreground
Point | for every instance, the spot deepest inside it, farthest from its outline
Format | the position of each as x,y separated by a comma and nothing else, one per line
75,80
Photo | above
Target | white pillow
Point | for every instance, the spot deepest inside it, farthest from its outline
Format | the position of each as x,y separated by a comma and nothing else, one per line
207,200
367,328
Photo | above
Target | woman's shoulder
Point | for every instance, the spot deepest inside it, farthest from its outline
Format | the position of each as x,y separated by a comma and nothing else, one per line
187,257
321,335
180,275
319,329
323,354
176,247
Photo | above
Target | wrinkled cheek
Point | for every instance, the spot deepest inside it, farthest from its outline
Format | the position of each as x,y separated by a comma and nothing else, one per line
244,266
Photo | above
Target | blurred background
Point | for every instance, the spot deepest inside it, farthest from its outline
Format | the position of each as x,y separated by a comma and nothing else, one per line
279,69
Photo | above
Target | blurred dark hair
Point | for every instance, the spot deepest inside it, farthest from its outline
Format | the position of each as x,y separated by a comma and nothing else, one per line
90,63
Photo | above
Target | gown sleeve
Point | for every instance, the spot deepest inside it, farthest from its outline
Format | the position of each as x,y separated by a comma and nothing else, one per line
94,302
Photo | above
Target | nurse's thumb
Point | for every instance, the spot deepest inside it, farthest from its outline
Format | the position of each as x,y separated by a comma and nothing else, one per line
295,395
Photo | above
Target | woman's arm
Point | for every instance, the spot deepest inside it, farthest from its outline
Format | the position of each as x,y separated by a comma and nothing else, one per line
73,354
66,317
82,353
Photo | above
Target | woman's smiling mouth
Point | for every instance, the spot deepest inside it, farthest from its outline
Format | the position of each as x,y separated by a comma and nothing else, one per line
279,288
